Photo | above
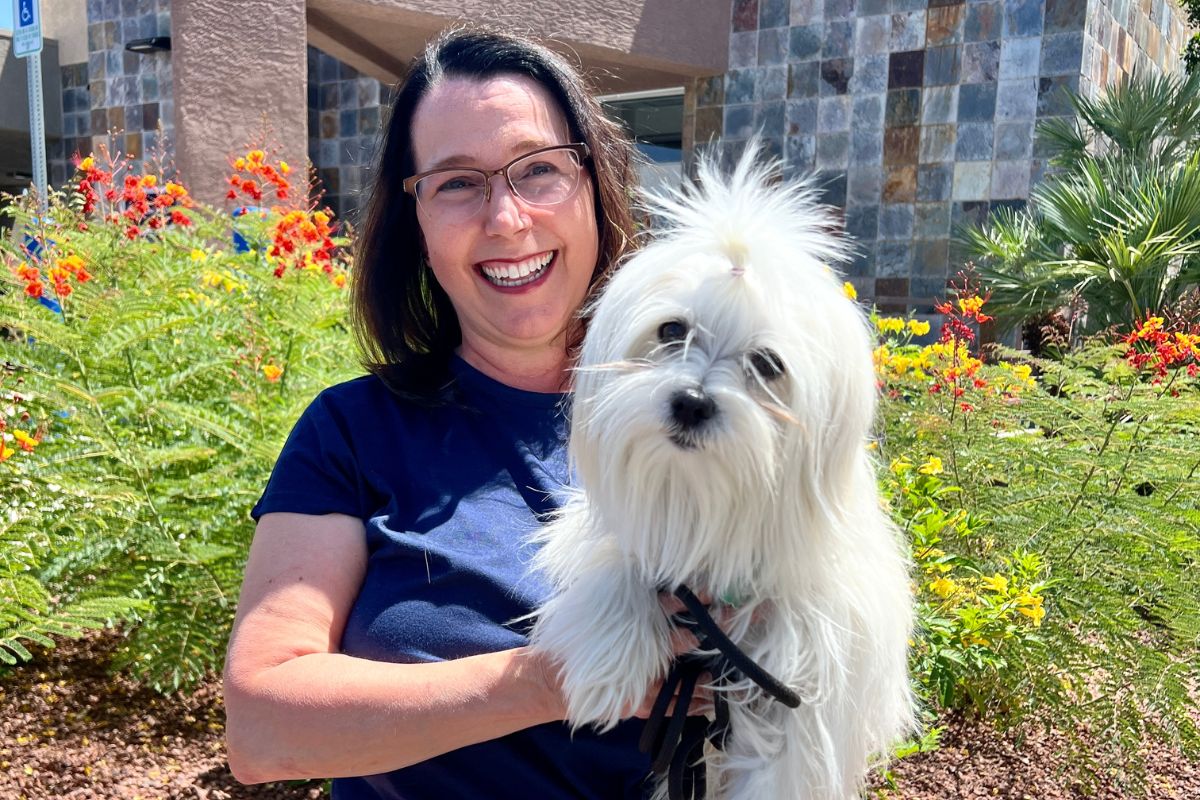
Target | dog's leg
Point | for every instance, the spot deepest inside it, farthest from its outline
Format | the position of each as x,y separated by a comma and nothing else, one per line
610,636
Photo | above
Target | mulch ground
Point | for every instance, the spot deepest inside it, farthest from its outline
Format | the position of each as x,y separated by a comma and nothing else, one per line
70,730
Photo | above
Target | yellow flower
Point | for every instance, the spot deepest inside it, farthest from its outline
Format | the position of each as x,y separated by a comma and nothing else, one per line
25,439
971,304
917,327
339,280
997,583
198,255
320,218
272,372
943,587
87,163
900,465
6,452
889,324
240,164
1150,326
849,290
931,467
149,180
1031,606
284,168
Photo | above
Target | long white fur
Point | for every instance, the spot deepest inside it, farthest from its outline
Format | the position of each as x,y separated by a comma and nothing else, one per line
777,507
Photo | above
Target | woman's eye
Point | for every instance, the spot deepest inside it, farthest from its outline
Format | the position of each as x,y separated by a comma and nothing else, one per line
766,363
458,183
673,331
539,170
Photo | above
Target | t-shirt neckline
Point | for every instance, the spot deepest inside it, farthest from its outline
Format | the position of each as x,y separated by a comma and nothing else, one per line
480,387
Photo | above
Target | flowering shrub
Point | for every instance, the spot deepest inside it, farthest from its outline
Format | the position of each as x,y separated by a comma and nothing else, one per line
1055,547
949,369
1162,353
973,626
153,368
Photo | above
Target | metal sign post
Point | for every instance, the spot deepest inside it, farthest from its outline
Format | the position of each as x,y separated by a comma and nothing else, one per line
27,44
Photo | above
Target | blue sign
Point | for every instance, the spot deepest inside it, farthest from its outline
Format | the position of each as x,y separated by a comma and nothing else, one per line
27,33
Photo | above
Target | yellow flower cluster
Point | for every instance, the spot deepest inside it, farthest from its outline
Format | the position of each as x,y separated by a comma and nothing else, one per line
893,365
896,325
901,465
224,280
996,592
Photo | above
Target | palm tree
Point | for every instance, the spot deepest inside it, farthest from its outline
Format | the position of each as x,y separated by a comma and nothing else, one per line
1117,223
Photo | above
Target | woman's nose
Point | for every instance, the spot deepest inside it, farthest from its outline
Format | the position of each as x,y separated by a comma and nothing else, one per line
505,213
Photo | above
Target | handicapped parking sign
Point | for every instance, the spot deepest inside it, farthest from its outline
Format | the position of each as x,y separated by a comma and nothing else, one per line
27,33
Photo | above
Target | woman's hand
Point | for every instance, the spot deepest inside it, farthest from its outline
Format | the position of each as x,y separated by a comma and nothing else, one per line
682,641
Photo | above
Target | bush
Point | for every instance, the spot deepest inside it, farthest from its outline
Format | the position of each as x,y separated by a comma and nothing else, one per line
1114,230
1055,527
152,371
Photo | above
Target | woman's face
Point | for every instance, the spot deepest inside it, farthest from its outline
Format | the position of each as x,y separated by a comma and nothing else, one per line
485,124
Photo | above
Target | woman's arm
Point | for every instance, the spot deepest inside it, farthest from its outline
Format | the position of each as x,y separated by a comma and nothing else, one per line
296,708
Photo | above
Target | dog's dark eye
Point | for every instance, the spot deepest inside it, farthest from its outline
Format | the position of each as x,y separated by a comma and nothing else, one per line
766,363
673,331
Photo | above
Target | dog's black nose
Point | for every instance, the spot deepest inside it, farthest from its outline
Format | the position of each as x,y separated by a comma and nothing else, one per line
692,408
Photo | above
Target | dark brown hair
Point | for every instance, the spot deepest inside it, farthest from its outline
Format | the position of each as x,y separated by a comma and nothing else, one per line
403,320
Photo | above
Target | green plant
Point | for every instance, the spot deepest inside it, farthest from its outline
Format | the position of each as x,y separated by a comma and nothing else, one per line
1116,226
1057,550
159,370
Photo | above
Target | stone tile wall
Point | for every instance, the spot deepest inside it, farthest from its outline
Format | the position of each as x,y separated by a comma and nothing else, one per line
345,112
77,119
129,93
1123,37
917,115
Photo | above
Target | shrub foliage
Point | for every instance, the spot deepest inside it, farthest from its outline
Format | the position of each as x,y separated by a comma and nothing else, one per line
151,373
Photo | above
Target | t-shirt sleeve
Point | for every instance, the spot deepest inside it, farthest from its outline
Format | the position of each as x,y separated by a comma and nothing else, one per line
317,471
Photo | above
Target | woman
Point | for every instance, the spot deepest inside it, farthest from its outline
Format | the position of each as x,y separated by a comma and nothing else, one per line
373,636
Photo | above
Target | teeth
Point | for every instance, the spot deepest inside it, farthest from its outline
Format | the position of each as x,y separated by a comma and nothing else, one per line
519,273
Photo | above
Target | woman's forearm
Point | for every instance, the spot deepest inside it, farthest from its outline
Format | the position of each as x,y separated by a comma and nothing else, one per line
323,715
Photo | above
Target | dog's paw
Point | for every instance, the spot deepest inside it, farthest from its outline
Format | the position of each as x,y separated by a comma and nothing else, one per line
611,640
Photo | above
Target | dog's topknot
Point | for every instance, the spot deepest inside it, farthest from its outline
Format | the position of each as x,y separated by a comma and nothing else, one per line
749,209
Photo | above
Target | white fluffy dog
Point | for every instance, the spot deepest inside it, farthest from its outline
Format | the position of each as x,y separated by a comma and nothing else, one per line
721,415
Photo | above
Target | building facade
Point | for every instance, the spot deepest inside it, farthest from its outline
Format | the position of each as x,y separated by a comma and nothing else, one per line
915,115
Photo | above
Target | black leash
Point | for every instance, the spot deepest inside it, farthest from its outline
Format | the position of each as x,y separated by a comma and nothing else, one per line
677,746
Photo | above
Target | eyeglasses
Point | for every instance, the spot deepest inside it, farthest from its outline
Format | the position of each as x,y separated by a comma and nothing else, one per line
545,177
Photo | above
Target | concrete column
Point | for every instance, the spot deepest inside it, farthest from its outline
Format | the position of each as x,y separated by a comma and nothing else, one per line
239,78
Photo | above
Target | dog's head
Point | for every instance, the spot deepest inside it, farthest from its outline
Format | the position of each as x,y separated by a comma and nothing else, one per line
724,361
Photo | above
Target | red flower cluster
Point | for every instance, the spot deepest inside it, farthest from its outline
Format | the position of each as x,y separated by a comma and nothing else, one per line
966,309
139,202
253,176
1156,350
63,270
302,240
954,369
93,177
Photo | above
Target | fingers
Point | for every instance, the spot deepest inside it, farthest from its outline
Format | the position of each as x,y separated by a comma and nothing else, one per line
700,705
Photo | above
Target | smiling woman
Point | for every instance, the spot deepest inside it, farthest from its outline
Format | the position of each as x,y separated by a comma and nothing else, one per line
374,635
408,322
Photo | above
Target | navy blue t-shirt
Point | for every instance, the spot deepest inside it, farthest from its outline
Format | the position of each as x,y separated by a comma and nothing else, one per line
449,494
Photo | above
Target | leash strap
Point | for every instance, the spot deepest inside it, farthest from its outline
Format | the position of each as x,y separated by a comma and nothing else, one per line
677,747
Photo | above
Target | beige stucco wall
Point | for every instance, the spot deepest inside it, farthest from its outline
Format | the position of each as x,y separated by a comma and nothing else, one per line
239,68
239,78
66,21
627,45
